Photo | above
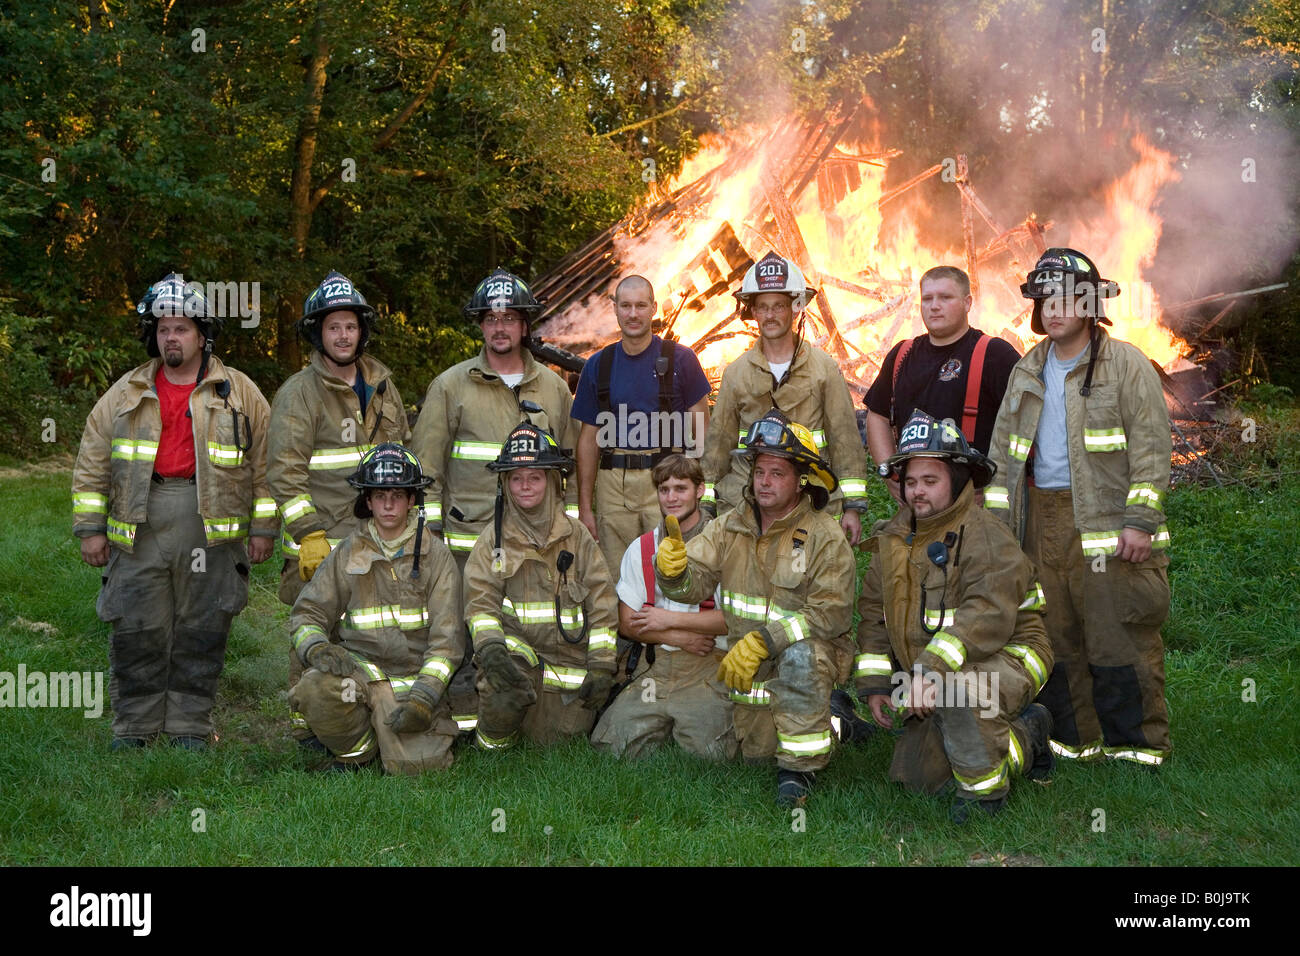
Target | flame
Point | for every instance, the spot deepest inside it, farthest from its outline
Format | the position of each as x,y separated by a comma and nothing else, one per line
867,272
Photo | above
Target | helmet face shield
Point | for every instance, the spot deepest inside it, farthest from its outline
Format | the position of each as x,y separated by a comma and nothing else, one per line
774,434
1062,275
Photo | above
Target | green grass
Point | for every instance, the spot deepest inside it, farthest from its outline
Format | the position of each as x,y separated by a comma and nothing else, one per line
1227,797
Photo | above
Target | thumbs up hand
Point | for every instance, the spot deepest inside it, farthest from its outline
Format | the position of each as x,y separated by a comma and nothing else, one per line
670,559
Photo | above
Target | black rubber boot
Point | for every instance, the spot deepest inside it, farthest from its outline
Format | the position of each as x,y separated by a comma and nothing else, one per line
1038,721
190,742
962,808
793,787
852,728
127,743
312,745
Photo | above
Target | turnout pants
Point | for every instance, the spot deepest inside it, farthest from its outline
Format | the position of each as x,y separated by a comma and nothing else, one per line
348,715
291,586
975,738
676,698
627,506
504,715
787,714
1107,689
171,602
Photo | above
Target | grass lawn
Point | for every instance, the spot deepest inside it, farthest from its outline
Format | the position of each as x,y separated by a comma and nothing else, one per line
1226,797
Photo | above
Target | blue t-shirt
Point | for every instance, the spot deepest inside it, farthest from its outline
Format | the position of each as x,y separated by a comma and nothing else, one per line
1051,452
634,387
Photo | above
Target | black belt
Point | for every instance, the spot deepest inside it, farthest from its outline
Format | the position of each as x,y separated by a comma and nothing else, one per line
631,462
159,479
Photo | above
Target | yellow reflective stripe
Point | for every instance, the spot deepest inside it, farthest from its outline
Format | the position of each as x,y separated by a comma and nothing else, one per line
89,502
304,632
996,496
389,615
1081,752
1035,599
565,678
571,511
708,498
865,664
139,450
401,684
1143,493
297,721
366,744
226,455
1152,758
757,696
476,450
263,508
1015,756
459,542
224,528
932,618
948,649
123,532
465,721
792,625
493,743
1018,447
437,667
1033,663
1161,539
483,622
1104,439
600,638
329,458
298,506
1099,542
521,647
372,671
854,488
990,781
745,605
804,745
290,548
433,511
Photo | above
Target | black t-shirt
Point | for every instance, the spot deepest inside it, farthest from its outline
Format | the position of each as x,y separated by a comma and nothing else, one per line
933,379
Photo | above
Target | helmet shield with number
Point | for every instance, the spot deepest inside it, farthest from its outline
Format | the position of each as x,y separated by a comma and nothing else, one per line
774,273
500,292
1067,273
336,292
927,437
530,446
387,465
172,296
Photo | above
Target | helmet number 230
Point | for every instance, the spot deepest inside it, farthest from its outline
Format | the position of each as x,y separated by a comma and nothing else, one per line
918,432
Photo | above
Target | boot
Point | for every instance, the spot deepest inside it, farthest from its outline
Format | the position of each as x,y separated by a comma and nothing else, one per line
793,787
127,743
1038,721
312,745
850,728
190,742
962,808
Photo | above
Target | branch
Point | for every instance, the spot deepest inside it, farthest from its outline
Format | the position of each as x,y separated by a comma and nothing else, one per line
645,122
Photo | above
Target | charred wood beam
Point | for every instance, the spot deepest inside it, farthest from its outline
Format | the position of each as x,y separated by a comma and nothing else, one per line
968,229
904,187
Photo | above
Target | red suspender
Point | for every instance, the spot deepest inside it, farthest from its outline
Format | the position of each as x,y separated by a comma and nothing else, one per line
648,566
973,377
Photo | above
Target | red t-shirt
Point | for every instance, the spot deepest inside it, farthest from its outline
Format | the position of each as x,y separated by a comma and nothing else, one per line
176,446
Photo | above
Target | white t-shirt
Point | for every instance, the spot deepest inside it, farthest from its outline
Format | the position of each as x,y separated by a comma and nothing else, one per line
779,368
513,379
1051,452
632,589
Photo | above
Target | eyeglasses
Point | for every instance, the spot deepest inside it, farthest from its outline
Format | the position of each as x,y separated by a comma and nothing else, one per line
490,319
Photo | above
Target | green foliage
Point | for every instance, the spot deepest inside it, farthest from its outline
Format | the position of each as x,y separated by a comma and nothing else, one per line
40,418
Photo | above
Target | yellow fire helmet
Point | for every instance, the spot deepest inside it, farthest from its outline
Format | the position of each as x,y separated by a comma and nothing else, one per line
774,434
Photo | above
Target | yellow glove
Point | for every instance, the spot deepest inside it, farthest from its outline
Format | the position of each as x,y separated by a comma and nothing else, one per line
671,556
741,663
311,552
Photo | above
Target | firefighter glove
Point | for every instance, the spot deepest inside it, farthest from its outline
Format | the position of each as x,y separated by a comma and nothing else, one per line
595,688
415,714
671,557
332,659
741,663
503,673
311,552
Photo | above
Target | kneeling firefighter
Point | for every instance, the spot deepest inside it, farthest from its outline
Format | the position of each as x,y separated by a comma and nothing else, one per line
952,647
540,603
377,689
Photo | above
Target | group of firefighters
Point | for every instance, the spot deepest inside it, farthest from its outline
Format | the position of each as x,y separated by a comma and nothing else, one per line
530,562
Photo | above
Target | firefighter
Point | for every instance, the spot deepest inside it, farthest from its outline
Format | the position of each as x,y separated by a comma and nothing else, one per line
169,491
953,371
377,687
677,695
785,370
540,604
951,643
786,573
322,420
465,412
1083,441
638,399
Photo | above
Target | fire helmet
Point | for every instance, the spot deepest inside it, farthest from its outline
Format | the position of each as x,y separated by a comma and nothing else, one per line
336,292
1066,272
172,296
927,437
500,291
774,273
387,465
775,434
531,446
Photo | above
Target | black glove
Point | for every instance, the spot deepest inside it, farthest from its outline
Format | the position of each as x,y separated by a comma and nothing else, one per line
415,714
332,659
503,673
595,688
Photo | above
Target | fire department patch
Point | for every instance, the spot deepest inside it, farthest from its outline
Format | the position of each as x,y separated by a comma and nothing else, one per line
951,369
